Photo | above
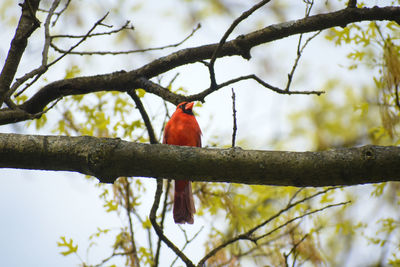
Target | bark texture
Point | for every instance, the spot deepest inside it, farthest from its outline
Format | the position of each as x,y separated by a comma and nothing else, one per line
110,158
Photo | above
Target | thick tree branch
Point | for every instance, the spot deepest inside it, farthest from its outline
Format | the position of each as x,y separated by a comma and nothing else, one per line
108,158
123,81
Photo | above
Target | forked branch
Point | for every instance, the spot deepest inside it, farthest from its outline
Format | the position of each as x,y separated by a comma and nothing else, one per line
236,22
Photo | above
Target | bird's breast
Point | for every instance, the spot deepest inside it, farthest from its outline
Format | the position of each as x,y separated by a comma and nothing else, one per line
184,132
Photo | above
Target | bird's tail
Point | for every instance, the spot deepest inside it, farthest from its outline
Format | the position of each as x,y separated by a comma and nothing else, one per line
183,202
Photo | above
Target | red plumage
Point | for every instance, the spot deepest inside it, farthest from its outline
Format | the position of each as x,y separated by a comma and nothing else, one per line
183,130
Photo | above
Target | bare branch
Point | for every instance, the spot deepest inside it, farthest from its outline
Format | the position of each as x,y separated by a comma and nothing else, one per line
126,26
99,22
293,250
163,213
127,190
119,52
59,13
201,96
295,195
27,24
236,22
17,114
299,217
105,260
35,74
188,240
43,67
145,117
39,114
234,118
300,48
299,54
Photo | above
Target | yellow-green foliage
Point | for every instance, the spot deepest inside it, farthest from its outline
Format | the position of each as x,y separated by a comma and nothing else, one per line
376,45
69,246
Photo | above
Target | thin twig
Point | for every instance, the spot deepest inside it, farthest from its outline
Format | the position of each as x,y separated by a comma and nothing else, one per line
299,217
269,241
145,117
201,96
293,250
109,258
300,49
57,14
165,205
188,241
99,22
126,26
164,211
39,114
295,195
120,52
299,54
153,215
234,118
166,117
44,66
36,73
128,211
242,17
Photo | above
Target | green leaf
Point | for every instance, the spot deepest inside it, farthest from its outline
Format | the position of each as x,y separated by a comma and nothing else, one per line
68,245
111,206
140,92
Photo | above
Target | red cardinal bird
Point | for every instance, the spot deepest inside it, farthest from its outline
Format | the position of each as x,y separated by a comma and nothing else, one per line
183,130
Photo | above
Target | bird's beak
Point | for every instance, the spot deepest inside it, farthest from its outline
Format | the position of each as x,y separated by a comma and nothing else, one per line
189,106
